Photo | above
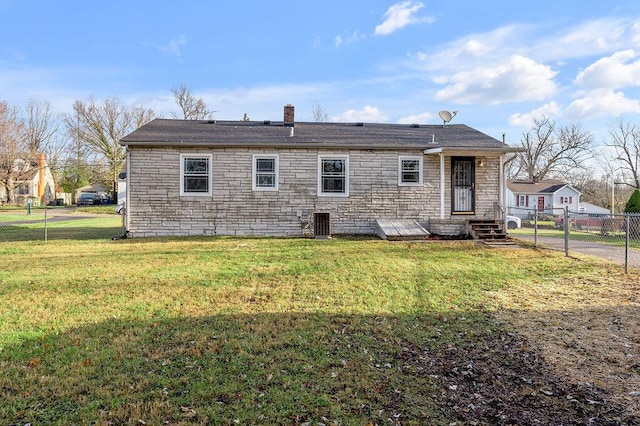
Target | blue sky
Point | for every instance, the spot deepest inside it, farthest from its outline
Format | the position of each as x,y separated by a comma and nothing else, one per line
497,63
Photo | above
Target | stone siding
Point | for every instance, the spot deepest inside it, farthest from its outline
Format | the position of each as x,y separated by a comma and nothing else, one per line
234,208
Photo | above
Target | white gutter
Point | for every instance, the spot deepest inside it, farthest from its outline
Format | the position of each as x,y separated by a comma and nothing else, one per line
502,196
433,151
471,151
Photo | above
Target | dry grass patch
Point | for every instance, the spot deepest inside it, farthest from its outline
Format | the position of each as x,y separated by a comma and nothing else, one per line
586,326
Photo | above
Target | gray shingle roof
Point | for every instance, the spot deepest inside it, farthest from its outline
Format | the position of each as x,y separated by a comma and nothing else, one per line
167,132
549,186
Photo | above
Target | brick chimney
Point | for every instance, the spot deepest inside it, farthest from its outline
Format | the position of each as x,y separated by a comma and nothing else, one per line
289,112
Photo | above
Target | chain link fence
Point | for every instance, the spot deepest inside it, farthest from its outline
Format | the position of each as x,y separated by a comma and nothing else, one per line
611,236
60,223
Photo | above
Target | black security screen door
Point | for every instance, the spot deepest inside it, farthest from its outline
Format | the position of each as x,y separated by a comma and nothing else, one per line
463,185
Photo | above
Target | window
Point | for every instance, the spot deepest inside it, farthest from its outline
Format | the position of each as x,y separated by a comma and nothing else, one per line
265,172
333,175
566,200
409,171
523,201
195,174
23,189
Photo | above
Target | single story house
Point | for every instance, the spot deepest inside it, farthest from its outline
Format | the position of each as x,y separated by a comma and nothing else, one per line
589,208
208,177
524,197
35,182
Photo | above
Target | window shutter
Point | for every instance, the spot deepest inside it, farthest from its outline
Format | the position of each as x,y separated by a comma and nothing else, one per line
570,200
517,201
527,202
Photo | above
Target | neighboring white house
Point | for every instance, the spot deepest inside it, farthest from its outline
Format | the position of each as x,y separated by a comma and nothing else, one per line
589,208
524,197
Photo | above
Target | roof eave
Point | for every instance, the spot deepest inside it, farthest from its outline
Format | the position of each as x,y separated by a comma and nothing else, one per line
454,150
284,144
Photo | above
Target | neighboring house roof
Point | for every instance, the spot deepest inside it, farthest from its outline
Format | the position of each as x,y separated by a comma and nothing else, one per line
537,187
592,208
28,175
194,133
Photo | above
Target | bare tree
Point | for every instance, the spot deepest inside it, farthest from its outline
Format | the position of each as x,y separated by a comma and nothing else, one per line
40,126
625,151
101,126
16,158
78,157
192,108
552,151
319,114
41,133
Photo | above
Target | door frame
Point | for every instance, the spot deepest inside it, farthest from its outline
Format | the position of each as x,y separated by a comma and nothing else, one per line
471,185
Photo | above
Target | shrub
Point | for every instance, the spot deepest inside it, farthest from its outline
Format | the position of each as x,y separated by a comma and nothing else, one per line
633,205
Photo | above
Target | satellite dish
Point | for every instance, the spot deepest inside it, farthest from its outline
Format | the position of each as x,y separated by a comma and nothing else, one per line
447,116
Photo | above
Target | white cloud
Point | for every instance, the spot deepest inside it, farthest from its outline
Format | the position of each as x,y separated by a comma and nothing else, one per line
541,43
342,39
465,52
400,15
424,117
612,71
526,120
517,79
368,114
587,39
173,47
601,103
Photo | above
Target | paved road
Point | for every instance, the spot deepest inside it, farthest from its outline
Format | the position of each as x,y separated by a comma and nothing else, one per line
593,248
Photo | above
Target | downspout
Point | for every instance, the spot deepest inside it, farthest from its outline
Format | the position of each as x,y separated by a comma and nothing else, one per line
127,192
502,196
442,185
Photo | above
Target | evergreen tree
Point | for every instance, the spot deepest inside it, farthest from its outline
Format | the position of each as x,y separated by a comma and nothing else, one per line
633,205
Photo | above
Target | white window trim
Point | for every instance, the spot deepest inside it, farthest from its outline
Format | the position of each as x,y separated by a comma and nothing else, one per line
254,180
346,176
210,177
421,167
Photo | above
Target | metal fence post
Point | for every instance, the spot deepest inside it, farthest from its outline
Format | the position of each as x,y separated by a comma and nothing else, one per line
535,227
627,223
46,228
566,231
124,218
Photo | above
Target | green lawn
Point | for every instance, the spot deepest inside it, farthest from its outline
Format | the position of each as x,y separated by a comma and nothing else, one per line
74,227
247,331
